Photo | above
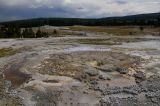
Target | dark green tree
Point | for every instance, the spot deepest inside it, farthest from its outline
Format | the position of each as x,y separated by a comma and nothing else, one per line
141,28
31,33
25,33
13,32
2,32
38,33
28,33
55,31
17,32
9,32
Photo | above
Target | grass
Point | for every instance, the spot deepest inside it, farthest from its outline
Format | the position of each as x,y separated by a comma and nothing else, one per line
60,33
109,30
58,67
8,52
115,30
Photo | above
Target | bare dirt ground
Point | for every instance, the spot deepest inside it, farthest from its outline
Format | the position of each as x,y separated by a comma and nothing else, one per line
91,70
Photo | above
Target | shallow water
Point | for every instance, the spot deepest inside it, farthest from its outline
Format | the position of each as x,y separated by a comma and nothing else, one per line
153,44
145,49
86,48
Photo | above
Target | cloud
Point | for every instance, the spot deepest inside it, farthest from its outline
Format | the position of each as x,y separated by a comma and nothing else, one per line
22,9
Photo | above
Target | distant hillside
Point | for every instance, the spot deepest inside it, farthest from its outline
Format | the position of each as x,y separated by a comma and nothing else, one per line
141,19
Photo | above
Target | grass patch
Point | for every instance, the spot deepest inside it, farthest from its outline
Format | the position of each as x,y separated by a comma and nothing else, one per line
64,33
8,52
109,30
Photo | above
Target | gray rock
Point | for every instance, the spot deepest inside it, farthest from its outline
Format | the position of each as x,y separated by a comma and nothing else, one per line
8,85
152,83
104,77
92,72
107,68
106,90
134,90
140,76
105,102
94,82
122,70
116,101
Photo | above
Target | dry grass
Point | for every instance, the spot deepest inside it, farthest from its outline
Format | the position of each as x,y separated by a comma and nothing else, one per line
12,51
59,67
60,33
120,30
8,51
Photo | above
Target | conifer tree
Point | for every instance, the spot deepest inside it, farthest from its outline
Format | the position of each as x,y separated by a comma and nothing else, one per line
38,33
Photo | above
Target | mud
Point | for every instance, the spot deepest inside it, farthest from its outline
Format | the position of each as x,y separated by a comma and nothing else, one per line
12,73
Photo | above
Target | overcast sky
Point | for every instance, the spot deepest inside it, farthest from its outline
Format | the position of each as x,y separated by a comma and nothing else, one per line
23,9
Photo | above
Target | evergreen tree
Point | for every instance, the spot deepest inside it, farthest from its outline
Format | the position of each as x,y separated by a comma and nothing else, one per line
9,32
28,33
25,33
141,28
31,33
17,32
2,32
13,32
55,31
38,33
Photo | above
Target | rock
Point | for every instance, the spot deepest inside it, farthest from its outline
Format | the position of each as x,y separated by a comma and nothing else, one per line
134,90
107,68
104,77
7,85
100,87
113,90
105,102
106,90
154,100
153,96
94,82
117,101
152,83
122,70
92,72
140,76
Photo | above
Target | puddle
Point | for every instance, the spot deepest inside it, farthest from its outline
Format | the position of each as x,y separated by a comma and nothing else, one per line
153,44
13,74
145,49
16,77
76,49
86,48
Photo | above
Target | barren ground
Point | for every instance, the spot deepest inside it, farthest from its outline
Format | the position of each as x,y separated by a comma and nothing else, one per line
90,70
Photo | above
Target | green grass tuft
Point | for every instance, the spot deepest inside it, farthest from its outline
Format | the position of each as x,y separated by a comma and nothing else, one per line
8,52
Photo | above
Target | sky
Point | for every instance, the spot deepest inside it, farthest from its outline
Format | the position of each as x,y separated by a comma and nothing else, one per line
25,9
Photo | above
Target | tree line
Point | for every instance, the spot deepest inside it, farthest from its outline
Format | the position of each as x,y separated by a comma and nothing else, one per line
16,32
